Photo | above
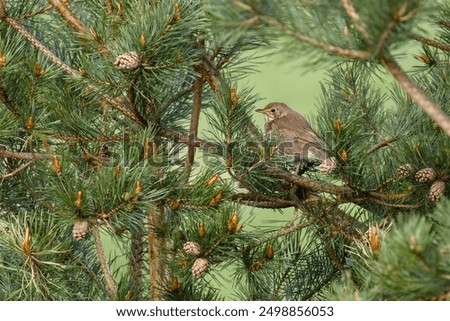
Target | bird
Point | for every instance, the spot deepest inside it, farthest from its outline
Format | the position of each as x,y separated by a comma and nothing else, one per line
296,136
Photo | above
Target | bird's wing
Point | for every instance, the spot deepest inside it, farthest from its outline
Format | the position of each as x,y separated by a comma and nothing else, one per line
296,129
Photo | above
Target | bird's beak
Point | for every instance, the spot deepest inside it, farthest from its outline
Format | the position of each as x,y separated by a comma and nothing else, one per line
260,111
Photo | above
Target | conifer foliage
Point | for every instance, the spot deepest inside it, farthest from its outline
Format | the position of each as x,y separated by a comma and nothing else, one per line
109,190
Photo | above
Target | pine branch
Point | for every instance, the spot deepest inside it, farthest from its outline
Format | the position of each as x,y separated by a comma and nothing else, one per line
70,17
342,52
114,102
384,142
16,171
109,7
3,13
136,260
22,155
416,93
155,251
112,287
313,184
282,232
36,43
13,108
195,117
400,16
185,139
432,43
356,19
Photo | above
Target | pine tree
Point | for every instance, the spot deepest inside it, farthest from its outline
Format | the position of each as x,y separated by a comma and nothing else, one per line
100,145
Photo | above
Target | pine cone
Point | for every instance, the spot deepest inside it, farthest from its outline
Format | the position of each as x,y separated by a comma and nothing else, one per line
192,248
405,170
80,230
425,175
128,60
199,267
437,189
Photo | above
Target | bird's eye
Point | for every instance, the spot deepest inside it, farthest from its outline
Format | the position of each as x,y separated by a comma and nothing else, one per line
273,110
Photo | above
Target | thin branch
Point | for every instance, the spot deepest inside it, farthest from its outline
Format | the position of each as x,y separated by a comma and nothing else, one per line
17,170
445,23
343,52
416,93
262,201
383,143
28,156
12,107
109,7
333,256
195,117
282,232
112,287
392,205
432,43
70,17
3,13
185,139
356,19
114,102
313,184
155,247
179,94
397,17
20,29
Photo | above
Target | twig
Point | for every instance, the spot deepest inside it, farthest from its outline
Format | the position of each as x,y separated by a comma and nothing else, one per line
185,139
383,143
432,43
114,102
416,93
109,7
333,256
112,287
3,13
397,17
20,155
13,108
445,23
195,117
70,17
17,170
343,52
262,201
282,232
405,206
313,184
20,29
356,19
179,94
155,247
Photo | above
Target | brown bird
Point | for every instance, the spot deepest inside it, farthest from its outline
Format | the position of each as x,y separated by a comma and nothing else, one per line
297,138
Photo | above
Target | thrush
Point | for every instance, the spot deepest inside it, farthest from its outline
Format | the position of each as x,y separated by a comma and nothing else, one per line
296,136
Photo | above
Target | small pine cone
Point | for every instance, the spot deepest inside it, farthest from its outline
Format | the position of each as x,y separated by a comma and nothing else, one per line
192,248
80,230
437,189
405,170
199,267
128,60
425,175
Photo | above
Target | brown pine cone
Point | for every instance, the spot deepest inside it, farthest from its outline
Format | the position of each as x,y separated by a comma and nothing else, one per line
128,60
405,170
80,230
425,175
192,248
437,189
199,267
